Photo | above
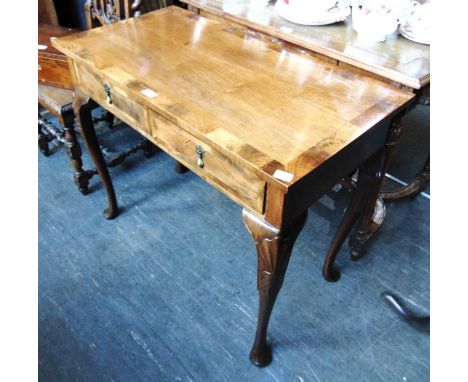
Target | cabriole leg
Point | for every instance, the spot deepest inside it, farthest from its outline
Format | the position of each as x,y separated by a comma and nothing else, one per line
374,212
83,106
274,247
368,175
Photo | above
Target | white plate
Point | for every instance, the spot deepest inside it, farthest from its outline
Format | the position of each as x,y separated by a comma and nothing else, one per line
416,26
338,14
406,31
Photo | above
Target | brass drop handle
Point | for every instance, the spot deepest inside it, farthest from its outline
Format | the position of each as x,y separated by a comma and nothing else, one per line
200,152
107,90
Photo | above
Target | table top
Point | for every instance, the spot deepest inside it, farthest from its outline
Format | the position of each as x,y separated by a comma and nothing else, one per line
263,106
397,59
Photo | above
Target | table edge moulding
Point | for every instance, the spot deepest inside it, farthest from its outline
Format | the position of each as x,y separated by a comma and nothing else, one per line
397,59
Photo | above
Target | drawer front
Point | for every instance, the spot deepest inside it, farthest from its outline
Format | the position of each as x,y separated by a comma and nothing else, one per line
234,181
54,72
111,96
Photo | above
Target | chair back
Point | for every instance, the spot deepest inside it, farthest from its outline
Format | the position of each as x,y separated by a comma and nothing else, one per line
102,12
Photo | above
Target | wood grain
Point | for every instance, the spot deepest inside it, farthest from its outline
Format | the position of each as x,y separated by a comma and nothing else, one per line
397,58
218,170
295,109
239,112
53,67
240,184
54,99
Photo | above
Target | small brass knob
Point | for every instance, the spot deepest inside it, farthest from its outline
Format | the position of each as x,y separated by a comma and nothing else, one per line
107,90
200,152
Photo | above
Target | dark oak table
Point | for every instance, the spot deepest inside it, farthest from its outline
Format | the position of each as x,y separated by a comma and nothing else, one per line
271,127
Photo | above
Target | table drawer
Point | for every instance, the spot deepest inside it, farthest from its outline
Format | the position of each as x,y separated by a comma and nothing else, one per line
54,71
238,183
233,180
110,96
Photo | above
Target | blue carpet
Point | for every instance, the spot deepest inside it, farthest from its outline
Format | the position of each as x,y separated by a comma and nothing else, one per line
167,291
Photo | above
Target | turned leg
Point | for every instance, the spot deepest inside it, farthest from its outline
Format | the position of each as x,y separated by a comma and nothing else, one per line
180,168
83,106
373,214
73,149
368,176
274,247
43,142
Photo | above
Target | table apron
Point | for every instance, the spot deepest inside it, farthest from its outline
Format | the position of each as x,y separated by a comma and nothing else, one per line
238,183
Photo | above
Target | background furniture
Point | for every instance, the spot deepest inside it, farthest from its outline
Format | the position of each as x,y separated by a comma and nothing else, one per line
213,97
108,11
402,63
418,321
53,68
71,12
59,101
47,13
101,12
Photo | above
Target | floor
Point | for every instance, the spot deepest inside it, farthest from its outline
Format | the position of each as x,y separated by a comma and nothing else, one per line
167,291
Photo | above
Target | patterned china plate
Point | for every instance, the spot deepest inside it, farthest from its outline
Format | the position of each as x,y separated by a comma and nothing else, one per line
417,26
407,31
334,15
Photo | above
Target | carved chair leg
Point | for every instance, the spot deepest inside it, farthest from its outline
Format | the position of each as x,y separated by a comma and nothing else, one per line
83,106
180,168
368,175
274,247
374,213
73,149
43,142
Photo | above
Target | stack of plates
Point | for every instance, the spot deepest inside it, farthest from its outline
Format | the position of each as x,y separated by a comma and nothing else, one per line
410,34
313,12
417,26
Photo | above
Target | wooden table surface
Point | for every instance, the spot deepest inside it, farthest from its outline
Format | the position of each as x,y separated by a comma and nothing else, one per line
272,128
401,62
397,59
264,108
